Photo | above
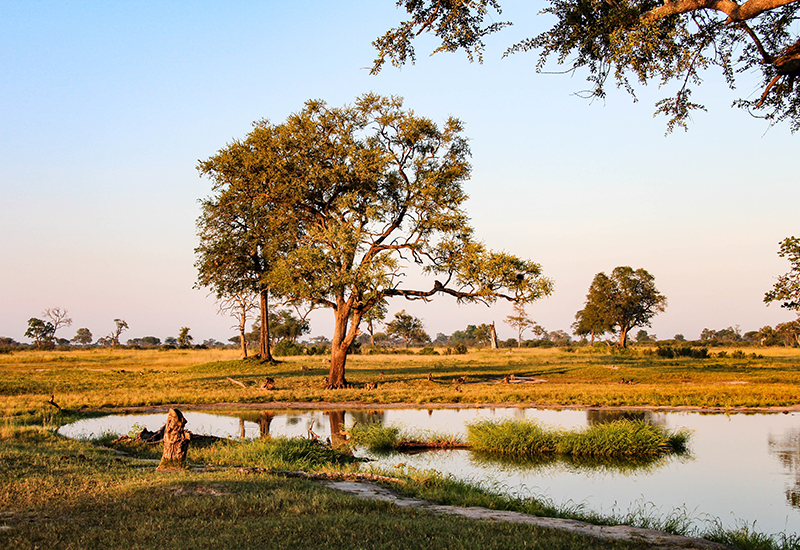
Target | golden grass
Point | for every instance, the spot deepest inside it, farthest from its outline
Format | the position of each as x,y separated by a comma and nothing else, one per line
100,379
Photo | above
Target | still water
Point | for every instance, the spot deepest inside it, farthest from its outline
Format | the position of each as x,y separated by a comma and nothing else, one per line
741,467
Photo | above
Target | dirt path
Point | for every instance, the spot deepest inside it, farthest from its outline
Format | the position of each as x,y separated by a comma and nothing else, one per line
654,539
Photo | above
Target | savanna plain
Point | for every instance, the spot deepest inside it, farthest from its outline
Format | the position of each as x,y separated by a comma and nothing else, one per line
62,493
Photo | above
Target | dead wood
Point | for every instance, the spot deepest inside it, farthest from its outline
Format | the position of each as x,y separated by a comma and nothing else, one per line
232,381
176,442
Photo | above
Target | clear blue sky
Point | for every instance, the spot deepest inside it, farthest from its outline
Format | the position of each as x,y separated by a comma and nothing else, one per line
108,106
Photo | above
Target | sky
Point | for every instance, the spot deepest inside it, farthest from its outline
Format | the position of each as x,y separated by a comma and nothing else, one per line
109,106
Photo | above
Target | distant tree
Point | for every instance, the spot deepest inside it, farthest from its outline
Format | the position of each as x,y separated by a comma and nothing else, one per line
787,288
594,319
730,335
184,338
150,342
441,339
643,337
83,336
408,328
375,315
240,305
286,326
466,336
626,299
171,341
519,321
58,318
7,343
559,337
120,326
41,332
679,338
767,336
789,332
483,334
539,332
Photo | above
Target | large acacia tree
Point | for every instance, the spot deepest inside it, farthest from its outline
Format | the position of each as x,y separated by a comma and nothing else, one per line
626,299
628,41
370,190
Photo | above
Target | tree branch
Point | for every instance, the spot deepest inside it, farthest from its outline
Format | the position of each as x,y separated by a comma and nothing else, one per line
734,11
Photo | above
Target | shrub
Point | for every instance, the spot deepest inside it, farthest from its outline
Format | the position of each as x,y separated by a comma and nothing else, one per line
428,350
665,351
738,354
286,348
460,349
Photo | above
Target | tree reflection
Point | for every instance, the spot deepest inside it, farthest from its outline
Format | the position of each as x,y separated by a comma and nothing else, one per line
262,418
786,449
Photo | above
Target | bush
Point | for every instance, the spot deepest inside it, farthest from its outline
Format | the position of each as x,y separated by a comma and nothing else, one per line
428,350
738,354
285,348
460,349
669,352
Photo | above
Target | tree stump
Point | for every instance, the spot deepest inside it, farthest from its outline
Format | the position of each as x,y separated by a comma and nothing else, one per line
176,442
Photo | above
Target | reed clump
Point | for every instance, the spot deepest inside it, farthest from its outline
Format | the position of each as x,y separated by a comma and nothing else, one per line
379,438
618,439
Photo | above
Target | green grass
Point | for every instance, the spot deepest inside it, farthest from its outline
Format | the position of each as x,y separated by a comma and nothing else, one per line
617,440
381,438
58,493
107,379
71,494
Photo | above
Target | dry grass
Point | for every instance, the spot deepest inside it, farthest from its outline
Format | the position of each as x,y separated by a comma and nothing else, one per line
101,379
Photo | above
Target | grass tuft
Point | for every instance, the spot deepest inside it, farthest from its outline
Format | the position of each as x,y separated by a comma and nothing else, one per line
618,439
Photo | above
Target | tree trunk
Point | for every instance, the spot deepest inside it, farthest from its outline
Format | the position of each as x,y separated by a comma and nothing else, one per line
493,334
623,336
340,346
263,349
243,341
176,442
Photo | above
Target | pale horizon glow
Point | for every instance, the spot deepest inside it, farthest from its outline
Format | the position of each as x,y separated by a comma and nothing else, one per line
109,107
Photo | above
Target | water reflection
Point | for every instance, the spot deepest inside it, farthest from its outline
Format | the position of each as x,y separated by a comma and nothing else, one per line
263,419
786,448
545,464
742,467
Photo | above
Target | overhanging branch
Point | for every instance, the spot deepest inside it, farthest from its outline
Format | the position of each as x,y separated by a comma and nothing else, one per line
734,11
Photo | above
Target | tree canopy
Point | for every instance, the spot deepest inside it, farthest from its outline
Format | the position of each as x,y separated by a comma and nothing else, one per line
625,300
364,193
787,288
671,43
408,328
41,331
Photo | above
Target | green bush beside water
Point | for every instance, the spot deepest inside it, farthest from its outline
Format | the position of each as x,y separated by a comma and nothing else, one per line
619,439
